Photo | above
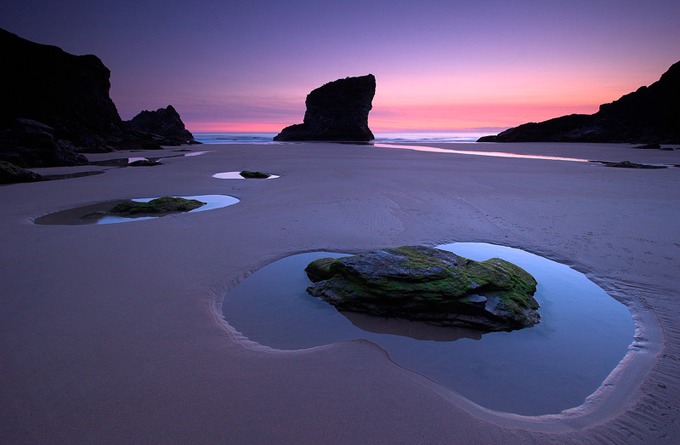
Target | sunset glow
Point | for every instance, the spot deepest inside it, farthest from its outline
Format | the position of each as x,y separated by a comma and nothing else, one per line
440,66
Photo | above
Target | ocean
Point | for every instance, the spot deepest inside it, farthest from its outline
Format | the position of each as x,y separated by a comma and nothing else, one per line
380,138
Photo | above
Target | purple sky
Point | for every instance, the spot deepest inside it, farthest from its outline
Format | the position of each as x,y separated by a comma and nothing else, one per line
440,65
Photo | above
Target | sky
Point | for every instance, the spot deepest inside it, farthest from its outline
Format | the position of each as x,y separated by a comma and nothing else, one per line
440,65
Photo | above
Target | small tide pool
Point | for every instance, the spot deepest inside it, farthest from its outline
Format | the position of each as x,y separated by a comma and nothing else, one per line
553,366
97,213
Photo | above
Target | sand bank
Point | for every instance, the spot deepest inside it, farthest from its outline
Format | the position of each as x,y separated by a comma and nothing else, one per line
113,334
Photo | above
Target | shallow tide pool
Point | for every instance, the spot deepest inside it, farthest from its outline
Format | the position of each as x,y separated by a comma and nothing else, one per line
97,213
553,366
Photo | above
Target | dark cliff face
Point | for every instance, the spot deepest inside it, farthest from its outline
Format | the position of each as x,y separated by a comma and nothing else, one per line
649,115
66,92
54,104
336,111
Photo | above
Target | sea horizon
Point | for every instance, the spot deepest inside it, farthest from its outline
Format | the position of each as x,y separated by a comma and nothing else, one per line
245,137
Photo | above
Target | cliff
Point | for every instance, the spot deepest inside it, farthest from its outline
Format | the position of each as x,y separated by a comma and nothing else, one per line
55,104
649,115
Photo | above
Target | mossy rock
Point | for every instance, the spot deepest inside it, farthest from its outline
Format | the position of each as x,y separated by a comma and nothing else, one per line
431,285
165,204
254,175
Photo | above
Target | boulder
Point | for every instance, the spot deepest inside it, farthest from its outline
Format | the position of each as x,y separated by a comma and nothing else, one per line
336,111
429,285
650,115
164,125
144,163
10,173
254,174
163,205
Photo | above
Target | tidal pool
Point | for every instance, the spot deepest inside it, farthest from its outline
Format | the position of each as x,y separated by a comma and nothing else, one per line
95,213
237,175
553,366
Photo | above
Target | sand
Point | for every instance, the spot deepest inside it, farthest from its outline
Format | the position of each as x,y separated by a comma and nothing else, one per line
113,334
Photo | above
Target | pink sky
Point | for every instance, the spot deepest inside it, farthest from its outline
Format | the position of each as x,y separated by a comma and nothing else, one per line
440,65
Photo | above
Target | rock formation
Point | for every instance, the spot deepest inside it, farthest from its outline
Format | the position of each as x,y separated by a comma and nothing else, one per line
254,174
55,104
336,111
430,285
650,115
10,173
163,125
162,205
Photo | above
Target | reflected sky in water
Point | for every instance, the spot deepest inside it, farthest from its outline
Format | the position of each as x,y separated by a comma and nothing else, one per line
493,154
553,366
211,202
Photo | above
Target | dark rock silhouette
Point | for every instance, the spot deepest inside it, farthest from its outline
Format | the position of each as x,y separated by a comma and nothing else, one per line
55,104
431,285
10,173
336,111
164,125
650,115
28,143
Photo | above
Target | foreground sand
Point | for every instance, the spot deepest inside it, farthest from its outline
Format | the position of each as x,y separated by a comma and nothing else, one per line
114,335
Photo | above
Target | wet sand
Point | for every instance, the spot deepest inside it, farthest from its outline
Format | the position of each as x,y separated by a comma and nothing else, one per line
114,334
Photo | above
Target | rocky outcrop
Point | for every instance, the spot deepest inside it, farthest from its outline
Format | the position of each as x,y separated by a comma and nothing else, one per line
28,143
650,115
164,126
56,104
68,93
10,173
336,111
430,285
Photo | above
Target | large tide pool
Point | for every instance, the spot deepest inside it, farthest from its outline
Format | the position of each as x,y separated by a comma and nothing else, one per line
545,369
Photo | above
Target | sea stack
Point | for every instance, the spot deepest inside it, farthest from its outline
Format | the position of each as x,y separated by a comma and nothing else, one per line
336,111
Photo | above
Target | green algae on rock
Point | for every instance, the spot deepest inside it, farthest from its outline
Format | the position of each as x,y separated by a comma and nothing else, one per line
165,204
430,285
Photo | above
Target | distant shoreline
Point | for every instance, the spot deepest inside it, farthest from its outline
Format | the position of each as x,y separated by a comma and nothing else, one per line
236,137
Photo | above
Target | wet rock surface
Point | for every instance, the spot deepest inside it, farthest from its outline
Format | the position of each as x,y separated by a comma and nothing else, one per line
163,205
430,285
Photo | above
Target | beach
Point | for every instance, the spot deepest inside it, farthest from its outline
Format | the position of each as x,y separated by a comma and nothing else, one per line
115,334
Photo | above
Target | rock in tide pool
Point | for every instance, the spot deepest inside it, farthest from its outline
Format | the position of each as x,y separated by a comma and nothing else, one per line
254,175
165,204
430,285
336,111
